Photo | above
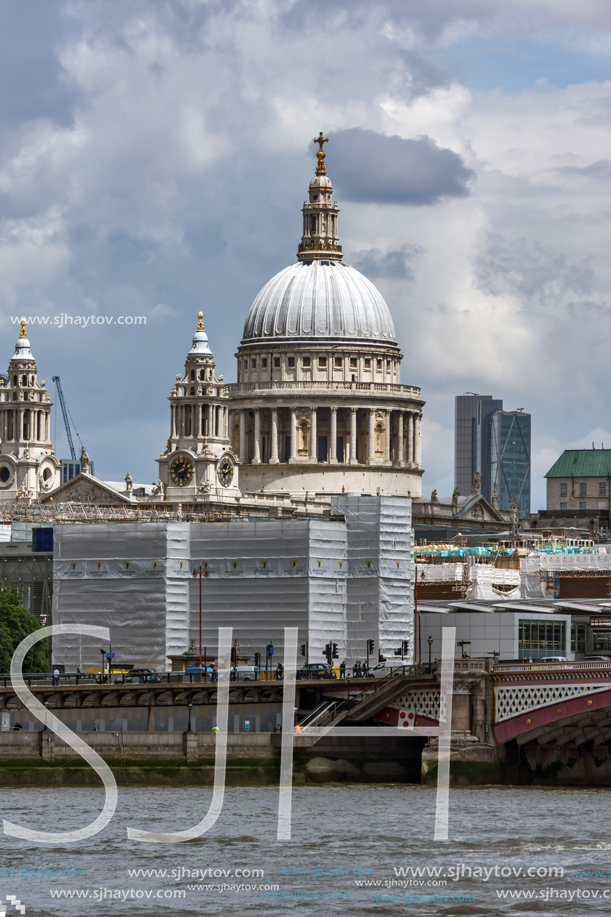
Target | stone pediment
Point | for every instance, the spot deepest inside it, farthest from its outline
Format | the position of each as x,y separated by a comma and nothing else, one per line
85,488
473,509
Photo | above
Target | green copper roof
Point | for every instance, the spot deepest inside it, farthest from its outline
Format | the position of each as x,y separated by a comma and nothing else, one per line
582,463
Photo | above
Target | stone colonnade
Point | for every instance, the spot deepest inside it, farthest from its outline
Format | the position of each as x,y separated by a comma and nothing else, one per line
334,435
25,424
200,420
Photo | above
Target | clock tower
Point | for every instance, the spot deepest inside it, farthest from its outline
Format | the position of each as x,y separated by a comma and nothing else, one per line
198,461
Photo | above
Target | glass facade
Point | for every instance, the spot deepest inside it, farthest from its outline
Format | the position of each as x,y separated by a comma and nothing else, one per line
472,440
541,638
510,465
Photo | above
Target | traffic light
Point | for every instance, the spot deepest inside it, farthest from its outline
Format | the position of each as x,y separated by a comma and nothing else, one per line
303,649
398,652
334,654
369,647
258,660
329,652
404,647
270,649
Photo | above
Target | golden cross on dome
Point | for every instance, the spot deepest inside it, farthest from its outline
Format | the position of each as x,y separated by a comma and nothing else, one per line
23,332
320,168
200,324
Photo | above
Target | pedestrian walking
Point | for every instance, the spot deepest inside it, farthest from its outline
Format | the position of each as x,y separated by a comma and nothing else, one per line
215,674
55,676
279,672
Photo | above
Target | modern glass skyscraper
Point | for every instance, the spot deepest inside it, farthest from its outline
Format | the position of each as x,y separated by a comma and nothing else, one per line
472,440
496,444
510,464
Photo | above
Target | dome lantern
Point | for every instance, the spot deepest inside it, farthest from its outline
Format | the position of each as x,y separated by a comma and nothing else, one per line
320,239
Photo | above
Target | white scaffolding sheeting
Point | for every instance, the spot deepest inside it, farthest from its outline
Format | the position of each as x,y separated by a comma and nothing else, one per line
440,573
552,563
117,575
337,582
263,577
380,589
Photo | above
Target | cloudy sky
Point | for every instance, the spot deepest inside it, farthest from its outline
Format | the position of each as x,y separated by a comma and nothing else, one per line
155,154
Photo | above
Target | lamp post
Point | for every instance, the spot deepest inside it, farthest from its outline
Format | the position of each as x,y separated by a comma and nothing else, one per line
189,706
198,572
430,643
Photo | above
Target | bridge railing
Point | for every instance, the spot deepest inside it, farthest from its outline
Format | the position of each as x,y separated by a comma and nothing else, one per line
507,667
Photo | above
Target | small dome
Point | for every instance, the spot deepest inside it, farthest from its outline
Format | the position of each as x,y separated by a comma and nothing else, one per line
200,344
321,181
22,350
325,300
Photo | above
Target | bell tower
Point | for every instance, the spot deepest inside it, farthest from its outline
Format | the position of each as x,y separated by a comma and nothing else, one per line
199,429
28,465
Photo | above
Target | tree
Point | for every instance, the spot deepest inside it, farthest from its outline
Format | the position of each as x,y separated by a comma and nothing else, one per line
15,624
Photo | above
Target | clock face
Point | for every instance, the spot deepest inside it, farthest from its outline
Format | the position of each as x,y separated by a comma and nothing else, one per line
225,471
181,471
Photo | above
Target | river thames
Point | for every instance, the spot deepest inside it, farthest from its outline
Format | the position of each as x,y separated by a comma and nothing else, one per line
354,850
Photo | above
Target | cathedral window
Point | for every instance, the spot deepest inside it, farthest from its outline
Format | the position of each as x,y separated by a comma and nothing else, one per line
14,380
312,224
338,362
306,361
192,391
322,361
352,362
388,366
277,362
367,363
24,380
192,375
245,364
264,362
254,363
378,364
291,361
202,375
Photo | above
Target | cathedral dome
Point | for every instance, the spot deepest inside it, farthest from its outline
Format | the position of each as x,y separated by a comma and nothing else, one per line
322,300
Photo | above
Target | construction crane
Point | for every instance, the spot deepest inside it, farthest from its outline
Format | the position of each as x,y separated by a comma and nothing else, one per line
66,414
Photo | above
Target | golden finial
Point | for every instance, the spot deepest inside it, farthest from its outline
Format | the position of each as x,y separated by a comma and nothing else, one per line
200,324
23,333
320,168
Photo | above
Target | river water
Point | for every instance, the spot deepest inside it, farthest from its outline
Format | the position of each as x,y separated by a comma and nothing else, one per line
342,835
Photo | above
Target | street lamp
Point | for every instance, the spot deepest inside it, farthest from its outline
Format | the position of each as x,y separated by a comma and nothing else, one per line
430,643
189,706
199,572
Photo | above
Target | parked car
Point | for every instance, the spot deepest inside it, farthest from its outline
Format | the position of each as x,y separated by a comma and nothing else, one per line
390,664
141,675
207,671
552,659
316,670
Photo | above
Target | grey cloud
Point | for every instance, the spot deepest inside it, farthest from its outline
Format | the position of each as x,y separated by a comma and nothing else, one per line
515,265
396,265
600,169
380,169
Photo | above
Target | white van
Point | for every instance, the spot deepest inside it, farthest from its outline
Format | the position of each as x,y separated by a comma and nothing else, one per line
247,673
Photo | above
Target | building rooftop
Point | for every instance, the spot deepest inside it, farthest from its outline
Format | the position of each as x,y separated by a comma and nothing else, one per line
582,463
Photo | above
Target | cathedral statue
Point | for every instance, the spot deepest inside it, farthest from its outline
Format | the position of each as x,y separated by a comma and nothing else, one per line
84,460
129,483
494,499
477,483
